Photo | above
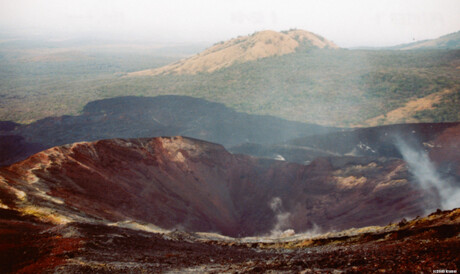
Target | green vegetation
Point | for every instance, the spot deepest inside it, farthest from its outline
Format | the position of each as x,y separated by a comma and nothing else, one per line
446,111
38,83
333,87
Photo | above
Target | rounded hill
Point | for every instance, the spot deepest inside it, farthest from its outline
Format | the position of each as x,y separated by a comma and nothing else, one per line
243,49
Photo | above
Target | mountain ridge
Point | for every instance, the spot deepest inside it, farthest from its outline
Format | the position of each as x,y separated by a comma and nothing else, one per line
448,41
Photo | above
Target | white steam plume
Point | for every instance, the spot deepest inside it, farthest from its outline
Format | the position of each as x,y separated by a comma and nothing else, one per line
282,219
426,175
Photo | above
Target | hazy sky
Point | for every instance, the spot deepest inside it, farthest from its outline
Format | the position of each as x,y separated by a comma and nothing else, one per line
346,22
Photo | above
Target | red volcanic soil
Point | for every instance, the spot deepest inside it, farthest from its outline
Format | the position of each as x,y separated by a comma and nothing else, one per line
421,245
199,186
28,245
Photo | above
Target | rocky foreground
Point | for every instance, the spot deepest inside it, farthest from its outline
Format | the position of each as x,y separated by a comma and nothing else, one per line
29,245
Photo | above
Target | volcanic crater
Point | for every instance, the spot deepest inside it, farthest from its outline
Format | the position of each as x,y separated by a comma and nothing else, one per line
188,184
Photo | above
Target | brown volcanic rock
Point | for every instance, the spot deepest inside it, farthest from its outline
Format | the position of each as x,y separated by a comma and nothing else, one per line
423,244
31,246
180,182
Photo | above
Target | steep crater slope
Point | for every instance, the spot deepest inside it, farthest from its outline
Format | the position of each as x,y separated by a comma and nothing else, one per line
199,186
